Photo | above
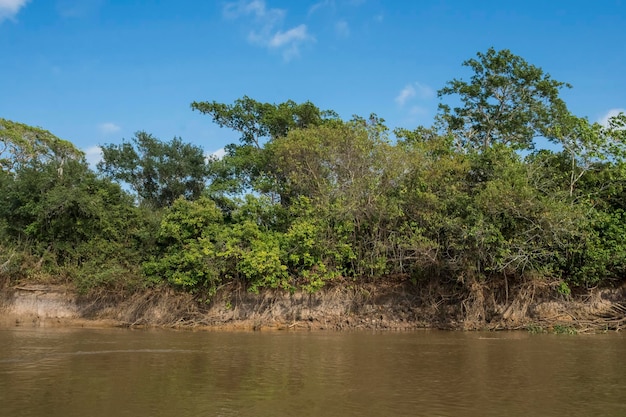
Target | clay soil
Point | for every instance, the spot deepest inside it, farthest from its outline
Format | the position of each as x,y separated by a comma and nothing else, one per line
346,305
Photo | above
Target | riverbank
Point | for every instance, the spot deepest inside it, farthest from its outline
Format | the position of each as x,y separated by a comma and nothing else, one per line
399,305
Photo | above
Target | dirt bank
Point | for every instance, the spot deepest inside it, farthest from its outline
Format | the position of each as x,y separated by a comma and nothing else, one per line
396,306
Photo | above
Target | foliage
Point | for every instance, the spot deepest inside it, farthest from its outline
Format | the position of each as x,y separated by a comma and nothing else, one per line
187,240
305,198
348,172
159,172
256,121
588,146
247,166
314,251
601,256
563,329
506,101
21,144
70,219
256,255
535,329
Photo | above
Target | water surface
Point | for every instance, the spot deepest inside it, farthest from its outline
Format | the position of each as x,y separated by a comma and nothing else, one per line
120,372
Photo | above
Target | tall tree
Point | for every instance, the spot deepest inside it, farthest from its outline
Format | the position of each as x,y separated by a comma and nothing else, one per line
159,172
587,146
75,218
349,172
246,165
257,121
507,100
21,144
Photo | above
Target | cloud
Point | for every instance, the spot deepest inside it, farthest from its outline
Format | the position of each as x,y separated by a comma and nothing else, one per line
255,8
289,41
108,128
415,101
418,111
77,8
93,155
334,5
342,29
321,5
416,115
218,154
296,34
407,93
10,8
266,27
413,90
604,120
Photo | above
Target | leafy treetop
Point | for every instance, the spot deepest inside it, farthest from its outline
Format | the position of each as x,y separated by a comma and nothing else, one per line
507,100
21,144
159,172
255,120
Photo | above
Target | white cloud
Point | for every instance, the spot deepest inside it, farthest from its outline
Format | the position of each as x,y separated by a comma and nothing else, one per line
604,120
108,128
242,7
407,93
218,154
418,111
10,8
410,91
78,8
257,9
320,5
334,5
416,115
289,42
93,155
424,92
415,101
296,34
266,23
342,29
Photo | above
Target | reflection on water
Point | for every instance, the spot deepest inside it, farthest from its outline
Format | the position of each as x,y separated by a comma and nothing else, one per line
115,372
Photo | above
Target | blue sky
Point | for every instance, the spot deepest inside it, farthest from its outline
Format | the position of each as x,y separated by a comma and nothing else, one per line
96,71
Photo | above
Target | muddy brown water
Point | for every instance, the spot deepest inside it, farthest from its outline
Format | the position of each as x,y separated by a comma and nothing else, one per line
121,372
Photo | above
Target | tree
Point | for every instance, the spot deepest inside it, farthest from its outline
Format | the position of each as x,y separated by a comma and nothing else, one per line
588,147
78,225
507,100
21,144
186,246
246,165
256,121
159,172
348,171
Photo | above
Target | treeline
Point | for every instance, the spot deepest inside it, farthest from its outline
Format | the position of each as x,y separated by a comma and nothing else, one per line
306,197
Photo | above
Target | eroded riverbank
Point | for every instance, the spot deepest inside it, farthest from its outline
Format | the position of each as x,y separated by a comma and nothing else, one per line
399,306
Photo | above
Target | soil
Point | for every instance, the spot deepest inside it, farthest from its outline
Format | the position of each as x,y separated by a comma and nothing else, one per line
346,305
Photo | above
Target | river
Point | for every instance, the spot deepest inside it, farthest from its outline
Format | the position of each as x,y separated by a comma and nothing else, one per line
120,372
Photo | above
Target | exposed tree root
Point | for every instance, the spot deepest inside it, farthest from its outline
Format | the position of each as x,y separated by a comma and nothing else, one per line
395,304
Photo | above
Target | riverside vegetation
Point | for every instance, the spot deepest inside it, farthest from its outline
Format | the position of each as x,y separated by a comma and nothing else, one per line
466,210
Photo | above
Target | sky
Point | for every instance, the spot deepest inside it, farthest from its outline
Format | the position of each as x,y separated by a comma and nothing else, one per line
95,72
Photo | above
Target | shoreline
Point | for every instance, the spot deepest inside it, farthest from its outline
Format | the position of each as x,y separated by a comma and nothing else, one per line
400,306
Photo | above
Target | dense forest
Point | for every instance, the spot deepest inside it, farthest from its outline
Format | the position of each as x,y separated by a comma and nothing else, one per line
506,186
